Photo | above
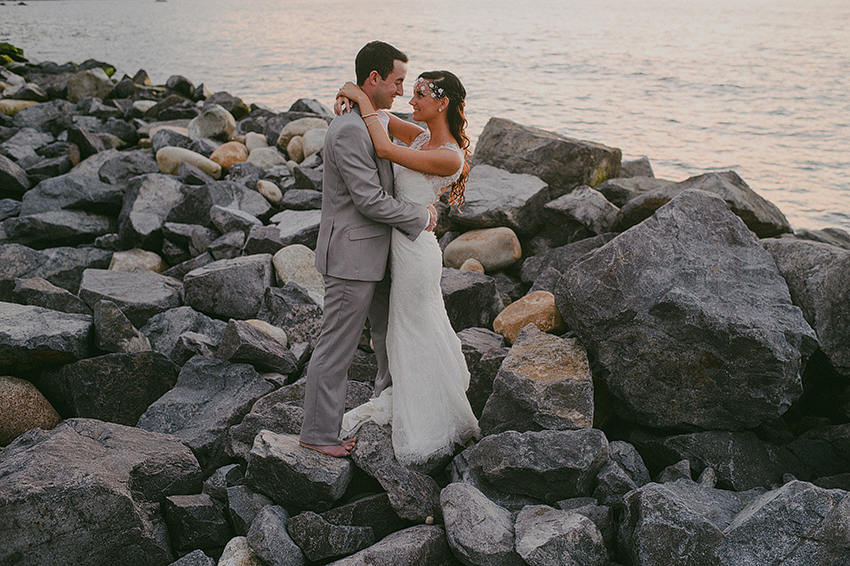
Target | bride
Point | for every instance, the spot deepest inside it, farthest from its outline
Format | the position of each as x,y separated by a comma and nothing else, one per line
427,402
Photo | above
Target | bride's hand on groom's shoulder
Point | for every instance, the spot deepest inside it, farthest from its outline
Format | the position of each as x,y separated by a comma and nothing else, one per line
342,106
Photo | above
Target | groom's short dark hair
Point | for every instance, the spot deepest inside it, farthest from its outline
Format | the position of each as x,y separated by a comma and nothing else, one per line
376,56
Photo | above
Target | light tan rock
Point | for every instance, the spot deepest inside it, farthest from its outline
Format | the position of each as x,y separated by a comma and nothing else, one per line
145,105
314,141
266,157
129,260
214,122
230,153
536,308
495,248
10,107
472,264
170,158
297,263
278,334
23,407
295,149
238,553
299,128
271,191
253,140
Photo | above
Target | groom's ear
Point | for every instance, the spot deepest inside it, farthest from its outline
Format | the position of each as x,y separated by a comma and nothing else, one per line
374,77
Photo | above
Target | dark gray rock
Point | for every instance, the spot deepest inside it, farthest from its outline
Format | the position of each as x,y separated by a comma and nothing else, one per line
114,332
42,168
298,227
423,545
61,266
291,308
46,117
119,170
319,539
627,456
224,477
147,203
33,337
479,531
196,521
484,352
543,383
191,344
549,537
832,236
470,298
818,277
269,539
42,293
229,288
243,504
687,306
26,142
244,341
230,220
166,137
301,199
295,477
88,492
583,213
613,482
677,523
181,269
88,142
549,465
71,227
164,330
640,168
311,106
9,208
561,162
307,178
115,388
194,238
209,396
561,258
601,515
414,495
228,246
194,205
373,511
760,215
139,294
13,179
195,558
681,470
495,197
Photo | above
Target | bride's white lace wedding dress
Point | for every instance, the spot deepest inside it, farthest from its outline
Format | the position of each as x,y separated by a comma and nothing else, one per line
427,402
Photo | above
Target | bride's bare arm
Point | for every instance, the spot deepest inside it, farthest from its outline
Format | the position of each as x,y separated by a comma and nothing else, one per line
443,162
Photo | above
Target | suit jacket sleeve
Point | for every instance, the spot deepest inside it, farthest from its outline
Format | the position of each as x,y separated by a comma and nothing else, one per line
357,167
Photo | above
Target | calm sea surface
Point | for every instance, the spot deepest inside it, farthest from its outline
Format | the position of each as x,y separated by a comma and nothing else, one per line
758,86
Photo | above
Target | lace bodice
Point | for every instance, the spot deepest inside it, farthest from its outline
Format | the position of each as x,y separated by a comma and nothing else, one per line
421,188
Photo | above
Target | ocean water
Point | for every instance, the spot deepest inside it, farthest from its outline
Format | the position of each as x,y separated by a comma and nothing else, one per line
761,87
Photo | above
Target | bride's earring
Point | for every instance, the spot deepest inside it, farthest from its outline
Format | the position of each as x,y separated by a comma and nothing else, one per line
439,109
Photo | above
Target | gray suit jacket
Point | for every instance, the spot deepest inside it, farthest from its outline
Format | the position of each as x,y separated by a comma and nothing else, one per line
358,208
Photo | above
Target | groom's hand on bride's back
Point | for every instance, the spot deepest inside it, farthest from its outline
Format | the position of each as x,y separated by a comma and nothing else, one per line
432,222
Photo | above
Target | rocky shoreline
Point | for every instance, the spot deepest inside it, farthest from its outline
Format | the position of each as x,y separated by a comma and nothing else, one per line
661,369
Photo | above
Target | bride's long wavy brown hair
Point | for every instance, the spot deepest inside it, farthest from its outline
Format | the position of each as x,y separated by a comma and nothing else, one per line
454,91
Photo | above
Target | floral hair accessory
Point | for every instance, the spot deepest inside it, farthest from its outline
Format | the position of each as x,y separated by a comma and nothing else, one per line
436,91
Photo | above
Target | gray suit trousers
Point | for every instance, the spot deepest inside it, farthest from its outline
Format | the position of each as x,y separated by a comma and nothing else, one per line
347,305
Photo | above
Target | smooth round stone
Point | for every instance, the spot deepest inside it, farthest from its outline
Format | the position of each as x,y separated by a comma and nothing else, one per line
10,107
495,248
472,264
270,191
536,308
23,407
299,128
314,141
295,149
129,260
277,333
170,158
266,157
296,263
214,123
230,153
253,140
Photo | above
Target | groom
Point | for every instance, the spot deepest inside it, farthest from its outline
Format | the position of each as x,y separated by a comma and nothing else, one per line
358,214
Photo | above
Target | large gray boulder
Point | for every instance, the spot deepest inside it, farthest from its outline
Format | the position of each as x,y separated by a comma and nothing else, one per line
73,190
543,383
321,540
196,521
164,329
292,308
61,266
33,337
818,277
120,169
147,203
484,351
621,190
115,333
209,396
71,227
295,477
422,545
116,388
250,341
13,180
139,294
194,204
583,213
229,288
471,299
42,293
549,537
561,258
89,492
495,197
677,523
563,163
549,465
269,539
479,531
689,306
760,215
